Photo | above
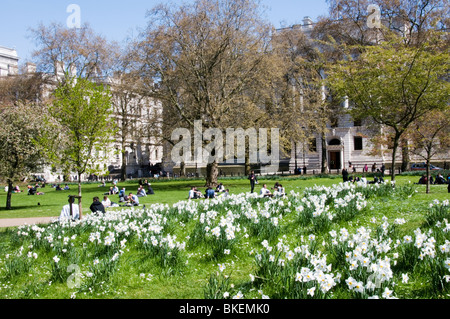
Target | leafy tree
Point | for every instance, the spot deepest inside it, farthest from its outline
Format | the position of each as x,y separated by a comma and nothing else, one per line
19,155
367,22
392,83
82,127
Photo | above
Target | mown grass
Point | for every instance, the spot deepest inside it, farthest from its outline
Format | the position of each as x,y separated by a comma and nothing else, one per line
172,191
140,277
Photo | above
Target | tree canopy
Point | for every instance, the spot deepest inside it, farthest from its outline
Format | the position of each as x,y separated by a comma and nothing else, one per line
393,84
82,127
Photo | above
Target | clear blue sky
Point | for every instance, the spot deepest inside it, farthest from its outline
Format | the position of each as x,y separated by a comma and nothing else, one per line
117,19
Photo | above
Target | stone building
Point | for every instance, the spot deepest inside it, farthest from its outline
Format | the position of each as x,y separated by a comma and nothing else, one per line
142,151
9,61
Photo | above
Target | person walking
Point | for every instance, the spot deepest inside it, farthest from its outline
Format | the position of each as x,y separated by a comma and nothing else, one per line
253,181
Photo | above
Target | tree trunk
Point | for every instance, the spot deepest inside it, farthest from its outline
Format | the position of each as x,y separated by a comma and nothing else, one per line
212,172
182,169
394,154
79,194
405,155
123,169
9,195
428,176
324,164
248,166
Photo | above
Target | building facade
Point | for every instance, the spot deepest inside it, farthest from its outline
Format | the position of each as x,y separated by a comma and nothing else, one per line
9,61
139,149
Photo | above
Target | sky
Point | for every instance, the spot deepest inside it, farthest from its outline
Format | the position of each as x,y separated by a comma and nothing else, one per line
118,19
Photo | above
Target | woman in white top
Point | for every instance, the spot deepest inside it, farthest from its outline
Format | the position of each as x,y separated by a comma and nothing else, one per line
106,202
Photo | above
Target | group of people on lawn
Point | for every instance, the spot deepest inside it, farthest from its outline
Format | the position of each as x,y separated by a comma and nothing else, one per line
220,191
278,190
100,206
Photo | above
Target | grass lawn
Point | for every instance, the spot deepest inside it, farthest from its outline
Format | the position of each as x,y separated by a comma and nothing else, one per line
172,191
131,266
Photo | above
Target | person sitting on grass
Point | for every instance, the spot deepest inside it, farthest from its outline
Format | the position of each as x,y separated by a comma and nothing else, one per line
150,190
65,212
224,194
440,180
210,193
279,191
141,192
220,188
97,206
194,193
17,189
31,190
66,188
58,187
122,195
133,200
265,192
106,202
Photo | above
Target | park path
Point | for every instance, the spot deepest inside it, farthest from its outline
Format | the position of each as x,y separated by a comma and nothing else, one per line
15,222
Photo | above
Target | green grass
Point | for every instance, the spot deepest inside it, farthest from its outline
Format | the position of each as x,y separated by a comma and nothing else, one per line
139,274
172,191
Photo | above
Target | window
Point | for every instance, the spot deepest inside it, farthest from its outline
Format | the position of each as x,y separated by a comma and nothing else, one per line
357,122
358,143
313,145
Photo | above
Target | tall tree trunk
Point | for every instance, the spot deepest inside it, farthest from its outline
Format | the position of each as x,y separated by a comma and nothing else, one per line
9,195
79,194
324,161
428,175
182,169
123,168
405,155
394,154
248,166
212,173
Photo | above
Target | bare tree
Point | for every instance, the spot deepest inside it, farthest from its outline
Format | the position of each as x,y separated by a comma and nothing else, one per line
430,137
204,57
73,52
310,106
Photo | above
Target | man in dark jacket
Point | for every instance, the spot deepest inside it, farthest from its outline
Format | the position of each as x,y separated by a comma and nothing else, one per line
345,175
97,206
253,181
